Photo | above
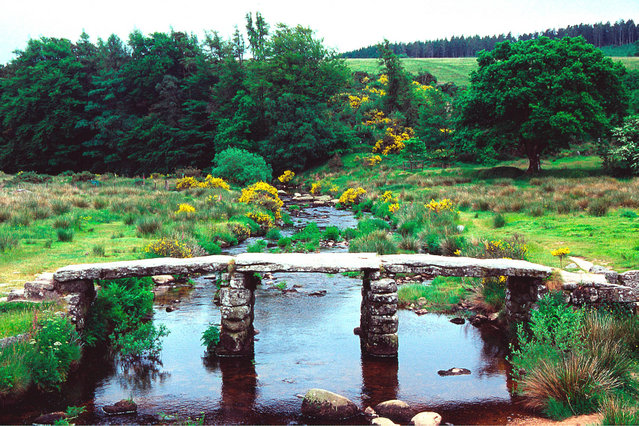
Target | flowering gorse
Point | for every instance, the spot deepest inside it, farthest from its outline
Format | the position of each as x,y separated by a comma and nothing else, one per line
352,196
440,206
186,209
169,248
393,140
264,195
561,253
287,176
264,220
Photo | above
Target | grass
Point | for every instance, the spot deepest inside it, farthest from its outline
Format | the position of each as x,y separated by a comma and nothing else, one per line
441,294
447,70
456,70
558,208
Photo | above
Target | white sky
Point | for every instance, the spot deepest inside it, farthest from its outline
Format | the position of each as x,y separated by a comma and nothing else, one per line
343,24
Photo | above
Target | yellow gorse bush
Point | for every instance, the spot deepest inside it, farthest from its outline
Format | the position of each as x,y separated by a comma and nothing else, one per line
240,231
169,248
186,183
215,182
185,208
264,195
372,160
388,197
352,196
440,206
376,117
262,219
393,140
316,187
356,101
392,208
209,182
287,176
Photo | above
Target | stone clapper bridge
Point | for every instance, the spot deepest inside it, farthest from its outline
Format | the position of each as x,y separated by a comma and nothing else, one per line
240,277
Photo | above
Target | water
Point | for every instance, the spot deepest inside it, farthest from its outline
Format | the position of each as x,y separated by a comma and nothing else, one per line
304,342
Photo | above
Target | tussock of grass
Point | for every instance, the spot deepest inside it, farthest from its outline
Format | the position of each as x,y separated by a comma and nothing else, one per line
441,294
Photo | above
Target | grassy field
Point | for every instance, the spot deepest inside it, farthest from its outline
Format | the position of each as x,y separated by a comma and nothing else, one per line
453,70
571,204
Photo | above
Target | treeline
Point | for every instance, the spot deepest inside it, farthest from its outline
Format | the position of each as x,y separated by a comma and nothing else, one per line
600,34
167,100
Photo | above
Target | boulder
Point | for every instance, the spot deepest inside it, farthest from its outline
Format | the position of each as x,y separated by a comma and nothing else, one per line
426,418
454,372
163,279
50,418
383,421
458,321
630,279
325,405
395,410
125,406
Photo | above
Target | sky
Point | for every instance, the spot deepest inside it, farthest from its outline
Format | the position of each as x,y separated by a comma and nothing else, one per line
343,24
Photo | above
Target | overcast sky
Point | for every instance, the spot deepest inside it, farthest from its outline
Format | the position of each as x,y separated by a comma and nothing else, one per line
343,24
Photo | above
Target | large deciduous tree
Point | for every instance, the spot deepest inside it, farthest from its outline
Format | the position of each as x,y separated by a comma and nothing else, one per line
541,94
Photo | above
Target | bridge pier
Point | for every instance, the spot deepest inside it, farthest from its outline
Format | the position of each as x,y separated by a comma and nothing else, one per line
522,294
237,300
378,321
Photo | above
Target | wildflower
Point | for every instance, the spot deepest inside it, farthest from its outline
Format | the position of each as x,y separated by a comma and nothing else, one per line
316,187
214,182
561,253
439,206
263,195
393,208
186,183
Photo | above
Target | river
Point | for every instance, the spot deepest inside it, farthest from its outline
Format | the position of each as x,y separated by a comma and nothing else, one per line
304,342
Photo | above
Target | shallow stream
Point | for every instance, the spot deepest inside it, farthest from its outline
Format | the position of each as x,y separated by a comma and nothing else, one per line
304,342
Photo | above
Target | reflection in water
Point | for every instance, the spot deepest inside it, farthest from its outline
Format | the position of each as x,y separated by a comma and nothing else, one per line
379,380
239,388
141,375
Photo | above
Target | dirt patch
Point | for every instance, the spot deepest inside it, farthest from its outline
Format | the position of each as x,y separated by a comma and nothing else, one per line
583,420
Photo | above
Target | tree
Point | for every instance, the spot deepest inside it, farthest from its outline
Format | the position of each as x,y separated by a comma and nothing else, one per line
541,94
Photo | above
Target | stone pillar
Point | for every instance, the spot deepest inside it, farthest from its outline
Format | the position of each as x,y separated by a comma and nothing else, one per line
237,298
522,294
378,322
79,295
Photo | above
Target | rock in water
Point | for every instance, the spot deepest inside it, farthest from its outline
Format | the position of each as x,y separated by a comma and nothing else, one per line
125,406
395,410
326,405
383,421
454,372
426,418
50,418
458,321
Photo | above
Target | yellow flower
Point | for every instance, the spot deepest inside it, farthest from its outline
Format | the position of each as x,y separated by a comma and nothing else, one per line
186,183
560,252
286,177
316,187
264,195
185,208
393,208
439,206
352,196
214,182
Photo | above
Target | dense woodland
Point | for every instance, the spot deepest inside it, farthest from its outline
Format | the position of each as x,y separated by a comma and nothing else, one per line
166,101
600,34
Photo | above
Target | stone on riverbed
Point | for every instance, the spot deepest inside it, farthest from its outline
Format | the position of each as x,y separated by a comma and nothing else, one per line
383,421
454,372
50,418
326,405
125,406
426,418
395,410
163,279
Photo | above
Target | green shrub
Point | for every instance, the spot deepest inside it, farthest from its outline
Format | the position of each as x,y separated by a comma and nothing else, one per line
241,167
57,346
257,247
118,316
84,176
129,219
331,233
5,214
629,214
284,242
30,177
620,410
499,221
210,338
64,235
273,234
367,226
350,233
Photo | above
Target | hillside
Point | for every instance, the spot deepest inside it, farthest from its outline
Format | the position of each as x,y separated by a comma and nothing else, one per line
454,70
